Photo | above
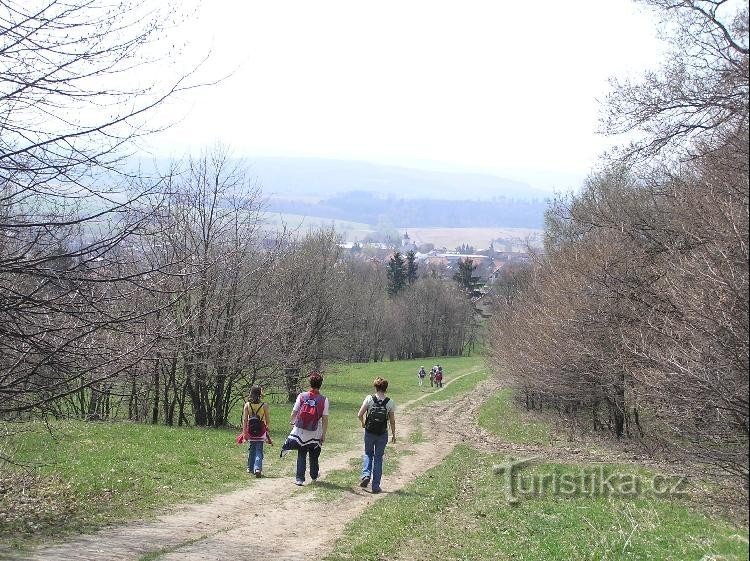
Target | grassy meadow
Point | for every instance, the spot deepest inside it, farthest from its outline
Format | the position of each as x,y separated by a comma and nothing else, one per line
76,475
459,511
450,238
86,475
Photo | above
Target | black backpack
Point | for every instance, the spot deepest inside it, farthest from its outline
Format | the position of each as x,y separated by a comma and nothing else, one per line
377,416
254,422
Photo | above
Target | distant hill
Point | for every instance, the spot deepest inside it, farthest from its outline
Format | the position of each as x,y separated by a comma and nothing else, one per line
375,194
369,208
289,177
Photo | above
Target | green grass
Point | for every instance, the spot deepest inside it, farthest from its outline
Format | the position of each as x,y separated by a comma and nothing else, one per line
347,386
501,416
113,471
87,474
459,511
456,387
90,474
417,436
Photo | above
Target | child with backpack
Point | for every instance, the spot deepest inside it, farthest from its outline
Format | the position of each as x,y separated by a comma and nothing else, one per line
375,415
256,421
309,423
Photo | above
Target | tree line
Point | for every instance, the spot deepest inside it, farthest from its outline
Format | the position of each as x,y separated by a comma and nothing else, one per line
635,320
199,301
160,296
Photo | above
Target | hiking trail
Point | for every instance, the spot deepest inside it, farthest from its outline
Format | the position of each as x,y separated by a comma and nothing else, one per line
221,528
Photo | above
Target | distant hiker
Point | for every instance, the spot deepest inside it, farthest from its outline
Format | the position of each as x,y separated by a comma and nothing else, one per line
375,415
256,421
309,422
439,377
432,376
421,375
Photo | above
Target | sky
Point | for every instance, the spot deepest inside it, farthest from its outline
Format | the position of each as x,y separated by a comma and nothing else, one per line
509,88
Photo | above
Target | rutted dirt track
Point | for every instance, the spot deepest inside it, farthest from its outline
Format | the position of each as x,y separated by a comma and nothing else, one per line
220,528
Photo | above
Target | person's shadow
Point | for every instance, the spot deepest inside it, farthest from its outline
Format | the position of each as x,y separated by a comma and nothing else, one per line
337,487
356,490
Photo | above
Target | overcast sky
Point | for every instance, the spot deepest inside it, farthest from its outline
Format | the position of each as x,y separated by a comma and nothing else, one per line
506,87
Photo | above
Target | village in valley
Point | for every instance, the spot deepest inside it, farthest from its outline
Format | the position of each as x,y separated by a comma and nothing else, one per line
442,262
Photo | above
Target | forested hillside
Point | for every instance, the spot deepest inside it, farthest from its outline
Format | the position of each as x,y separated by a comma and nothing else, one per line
370,208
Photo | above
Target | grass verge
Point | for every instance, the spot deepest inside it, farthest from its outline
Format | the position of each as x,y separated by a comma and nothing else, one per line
460,511
341,481
502,417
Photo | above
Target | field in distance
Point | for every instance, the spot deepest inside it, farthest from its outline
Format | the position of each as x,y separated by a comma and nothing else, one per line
479,238
450,238
299,223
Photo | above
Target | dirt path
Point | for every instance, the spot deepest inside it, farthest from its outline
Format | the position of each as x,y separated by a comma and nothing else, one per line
220,530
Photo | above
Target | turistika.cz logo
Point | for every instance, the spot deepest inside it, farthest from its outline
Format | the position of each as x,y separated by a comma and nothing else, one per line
596,481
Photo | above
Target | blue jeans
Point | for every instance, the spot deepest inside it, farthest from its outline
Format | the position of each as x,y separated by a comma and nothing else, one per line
372,461
302,454
255,457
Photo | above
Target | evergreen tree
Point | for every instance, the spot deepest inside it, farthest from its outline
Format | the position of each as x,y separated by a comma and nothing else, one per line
396,273
412,267
466,279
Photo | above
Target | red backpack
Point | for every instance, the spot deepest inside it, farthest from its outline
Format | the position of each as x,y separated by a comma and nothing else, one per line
310,411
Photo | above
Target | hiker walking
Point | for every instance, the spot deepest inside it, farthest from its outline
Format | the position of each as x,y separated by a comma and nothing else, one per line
439,377
309,423
433,370
256,422
375,415
421,375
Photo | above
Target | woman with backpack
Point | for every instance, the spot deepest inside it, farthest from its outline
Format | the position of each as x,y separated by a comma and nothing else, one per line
375,415
309,422
256,421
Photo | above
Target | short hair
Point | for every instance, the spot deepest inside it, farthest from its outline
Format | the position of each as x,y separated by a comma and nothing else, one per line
380,384
316,380
255,392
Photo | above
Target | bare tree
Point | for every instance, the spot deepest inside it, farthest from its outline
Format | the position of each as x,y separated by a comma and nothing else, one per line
364,296
638,315
700,93
66,122
213,324
307,303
